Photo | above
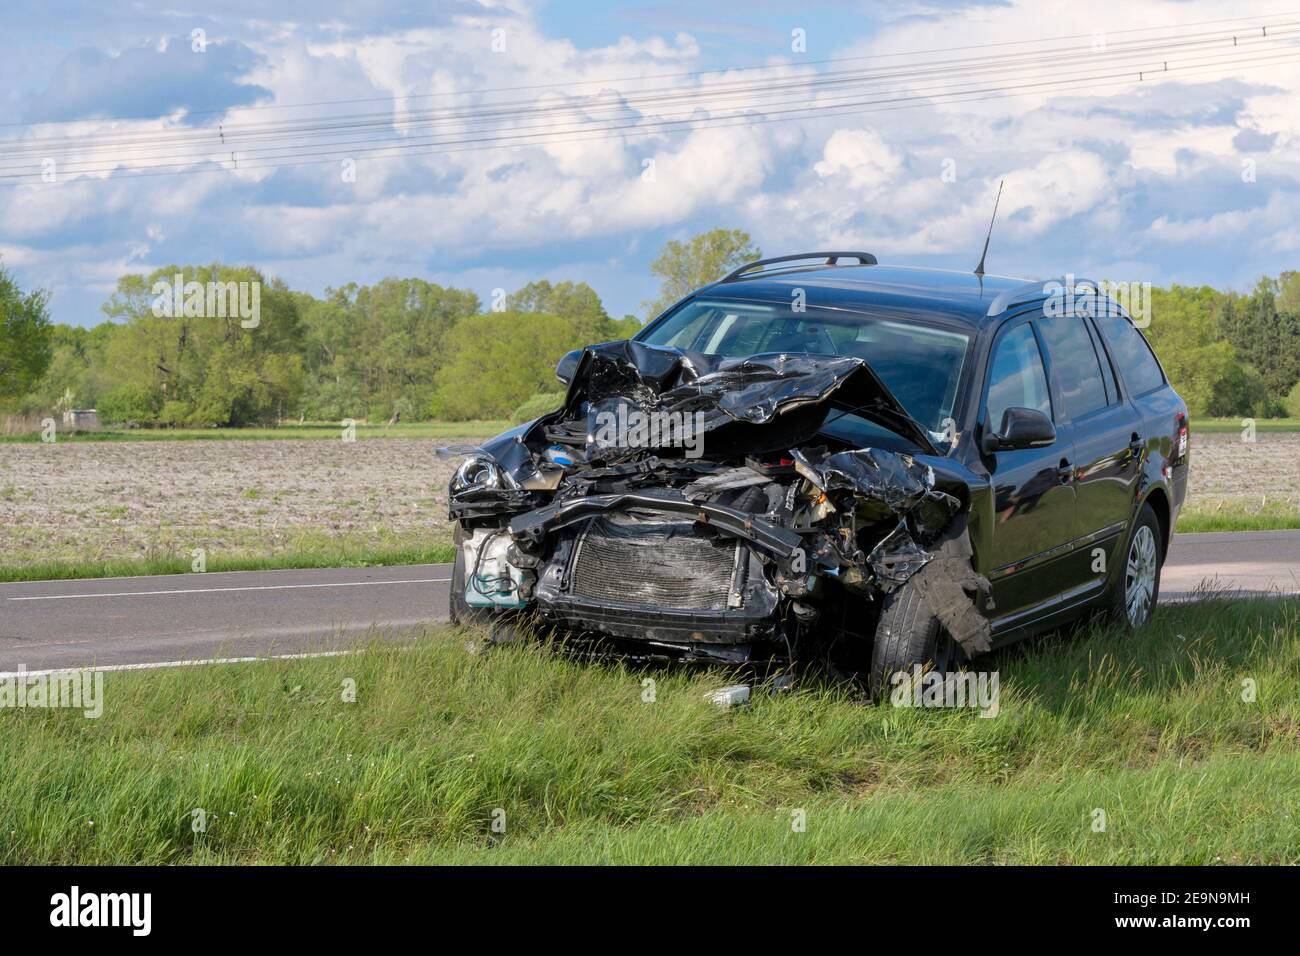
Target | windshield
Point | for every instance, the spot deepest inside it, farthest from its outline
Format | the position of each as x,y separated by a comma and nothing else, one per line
920,364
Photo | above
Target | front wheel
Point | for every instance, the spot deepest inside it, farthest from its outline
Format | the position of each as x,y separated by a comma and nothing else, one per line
909,635
1137,586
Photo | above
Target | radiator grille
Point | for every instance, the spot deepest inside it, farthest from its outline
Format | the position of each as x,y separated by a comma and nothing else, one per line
653,563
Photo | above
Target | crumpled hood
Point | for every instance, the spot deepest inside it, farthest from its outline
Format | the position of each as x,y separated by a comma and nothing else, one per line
867,519
727,394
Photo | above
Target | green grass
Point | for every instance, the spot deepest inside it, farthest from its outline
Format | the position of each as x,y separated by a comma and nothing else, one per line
320,557
1151,729
1234,425
1238,515
1238,521
323,430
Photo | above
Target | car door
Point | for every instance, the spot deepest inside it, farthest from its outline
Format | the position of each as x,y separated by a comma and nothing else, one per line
1105,433
1033,498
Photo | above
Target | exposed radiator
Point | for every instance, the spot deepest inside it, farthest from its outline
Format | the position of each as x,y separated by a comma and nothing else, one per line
655,563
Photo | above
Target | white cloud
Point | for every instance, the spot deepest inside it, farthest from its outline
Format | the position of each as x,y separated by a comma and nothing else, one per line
1097,175
1273,222
866,161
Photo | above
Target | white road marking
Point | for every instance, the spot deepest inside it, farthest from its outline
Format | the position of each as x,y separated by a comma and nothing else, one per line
251,587
152,665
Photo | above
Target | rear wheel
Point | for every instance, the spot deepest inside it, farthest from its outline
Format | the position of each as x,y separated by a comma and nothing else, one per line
909,635
1137,585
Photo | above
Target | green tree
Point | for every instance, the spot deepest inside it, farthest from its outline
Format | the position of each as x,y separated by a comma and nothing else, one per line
332,382
1288,292
130,403
1267,338
25,337
625,327
576,302
370,351
707,257
77,374
1184,332
202,367
1292,404
499,360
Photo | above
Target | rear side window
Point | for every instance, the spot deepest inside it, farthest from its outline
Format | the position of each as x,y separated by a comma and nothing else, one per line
1017,379
1127,346
1075,366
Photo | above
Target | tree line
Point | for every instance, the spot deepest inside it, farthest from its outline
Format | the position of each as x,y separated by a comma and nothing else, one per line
417,350
400,347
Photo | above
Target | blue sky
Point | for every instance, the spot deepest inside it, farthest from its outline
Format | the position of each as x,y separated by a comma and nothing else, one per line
1193,179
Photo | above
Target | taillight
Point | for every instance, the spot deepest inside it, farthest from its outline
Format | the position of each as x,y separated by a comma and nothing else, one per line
1181,422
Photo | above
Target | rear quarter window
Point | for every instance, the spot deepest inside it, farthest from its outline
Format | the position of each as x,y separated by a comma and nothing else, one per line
1137,363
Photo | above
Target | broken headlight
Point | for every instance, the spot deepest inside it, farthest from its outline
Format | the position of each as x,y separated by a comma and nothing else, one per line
479,473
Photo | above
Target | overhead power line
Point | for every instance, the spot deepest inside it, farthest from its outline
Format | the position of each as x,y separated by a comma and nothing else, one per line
738,121
229,135
658,112
522,134
570,84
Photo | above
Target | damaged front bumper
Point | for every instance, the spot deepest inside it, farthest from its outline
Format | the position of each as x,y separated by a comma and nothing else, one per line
764,542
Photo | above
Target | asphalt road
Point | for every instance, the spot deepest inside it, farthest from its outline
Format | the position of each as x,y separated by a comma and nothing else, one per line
148,620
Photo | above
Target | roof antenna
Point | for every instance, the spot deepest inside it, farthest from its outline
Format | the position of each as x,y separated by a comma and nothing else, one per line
979,269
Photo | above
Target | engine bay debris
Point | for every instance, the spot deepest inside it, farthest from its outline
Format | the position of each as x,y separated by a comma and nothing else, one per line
706,506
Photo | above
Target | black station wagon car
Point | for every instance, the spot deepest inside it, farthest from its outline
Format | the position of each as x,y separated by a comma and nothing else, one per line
822,458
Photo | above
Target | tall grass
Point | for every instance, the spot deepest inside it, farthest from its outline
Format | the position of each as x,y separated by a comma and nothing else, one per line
586,762
20,426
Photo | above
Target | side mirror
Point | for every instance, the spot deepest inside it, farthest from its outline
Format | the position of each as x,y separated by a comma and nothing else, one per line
568,363
1021,428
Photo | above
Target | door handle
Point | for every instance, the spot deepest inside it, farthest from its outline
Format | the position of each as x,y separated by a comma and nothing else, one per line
1065,471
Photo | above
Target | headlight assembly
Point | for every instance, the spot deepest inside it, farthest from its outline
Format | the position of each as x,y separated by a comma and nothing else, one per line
479,473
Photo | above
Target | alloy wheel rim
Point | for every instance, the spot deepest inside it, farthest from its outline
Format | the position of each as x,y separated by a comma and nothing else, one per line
1140,576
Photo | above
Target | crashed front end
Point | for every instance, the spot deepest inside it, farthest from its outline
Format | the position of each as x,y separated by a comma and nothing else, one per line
698,507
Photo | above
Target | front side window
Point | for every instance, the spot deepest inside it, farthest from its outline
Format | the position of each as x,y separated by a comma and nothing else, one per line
920,364
1017,379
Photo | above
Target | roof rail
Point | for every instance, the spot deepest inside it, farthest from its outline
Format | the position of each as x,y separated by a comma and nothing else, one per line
832,258
1041,288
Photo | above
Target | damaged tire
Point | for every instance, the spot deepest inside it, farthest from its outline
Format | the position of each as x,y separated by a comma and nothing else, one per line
909,635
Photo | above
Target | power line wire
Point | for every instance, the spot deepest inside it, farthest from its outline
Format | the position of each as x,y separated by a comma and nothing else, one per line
250,153
230,133
1122,79
693,73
